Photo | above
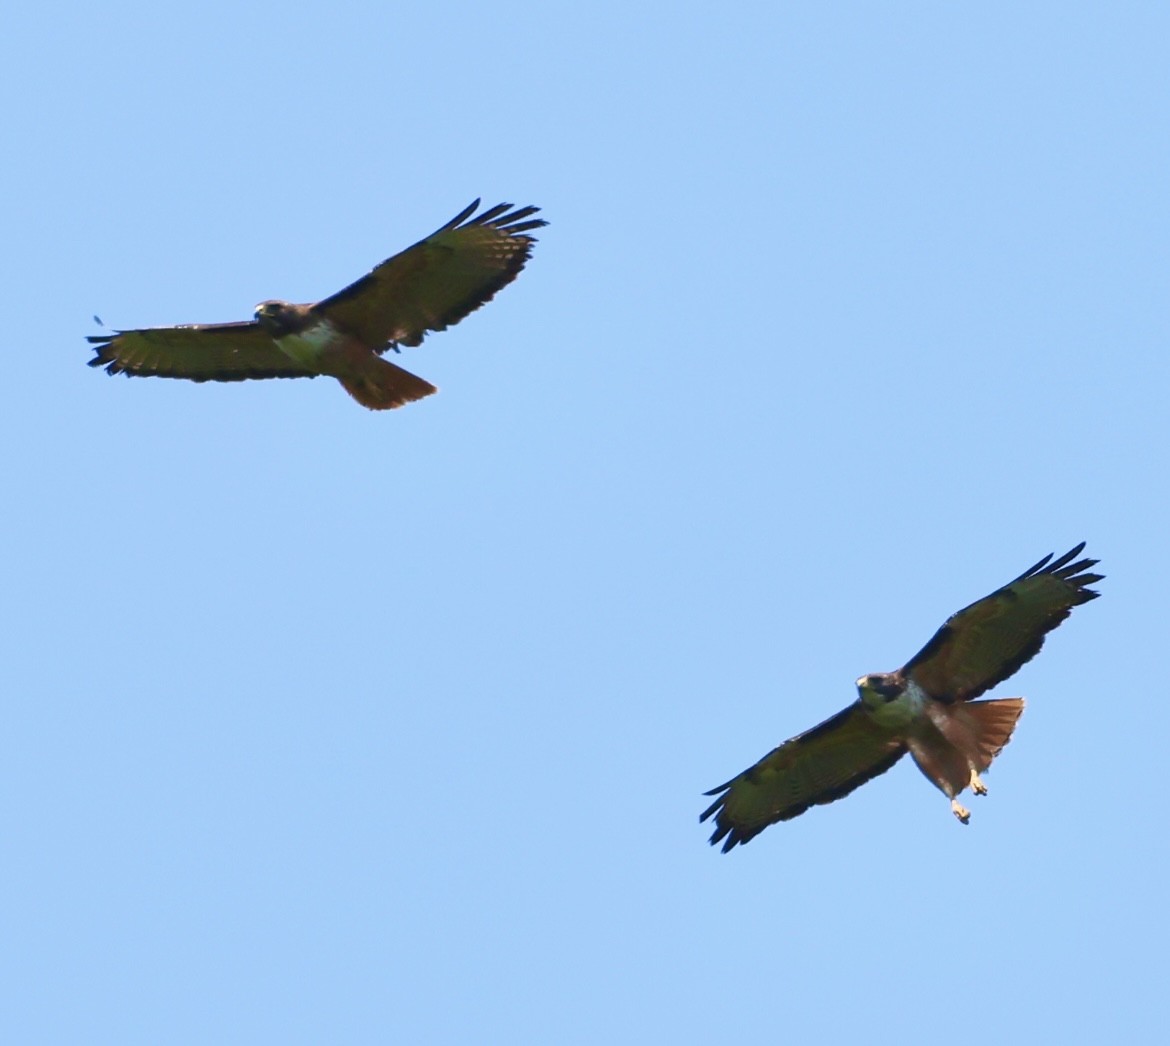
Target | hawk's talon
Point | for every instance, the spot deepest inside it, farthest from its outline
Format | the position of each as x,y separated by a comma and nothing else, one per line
977,785
961,812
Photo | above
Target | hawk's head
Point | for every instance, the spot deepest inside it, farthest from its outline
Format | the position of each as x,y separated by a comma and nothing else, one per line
279,318
880,688
893,701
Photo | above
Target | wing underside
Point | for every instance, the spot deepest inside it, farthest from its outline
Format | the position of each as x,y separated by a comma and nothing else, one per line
987,642
210,352
821,765
439,280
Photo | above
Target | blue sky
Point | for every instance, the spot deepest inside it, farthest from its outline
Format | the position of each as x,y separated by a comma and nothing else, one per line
324,725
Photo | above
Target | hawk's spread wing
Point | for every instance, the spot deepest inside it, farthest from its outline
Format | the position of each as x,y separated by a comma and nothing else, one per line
985,643
438,281
822,764
200,352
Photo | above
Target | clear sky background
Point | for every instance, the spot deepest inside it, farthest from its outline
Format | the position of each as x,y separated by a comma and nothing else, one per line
323,725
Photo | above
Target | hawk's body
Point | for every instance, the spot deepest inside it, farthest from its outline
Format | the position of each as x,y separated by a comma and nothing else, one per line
427,287
926,708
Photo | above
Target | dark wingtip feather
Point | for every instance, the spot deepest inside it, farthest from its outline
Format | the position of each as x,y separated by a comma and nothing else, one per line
722,827
1070,555
536,223
725,831
489,214
1035,568
715,791
462,216
734,836
1076,574
502,217
1065,569
103,355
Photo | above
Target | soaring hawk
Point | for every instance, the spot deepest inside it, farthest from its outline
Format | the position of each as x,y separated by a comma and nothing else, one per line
926,708
428,287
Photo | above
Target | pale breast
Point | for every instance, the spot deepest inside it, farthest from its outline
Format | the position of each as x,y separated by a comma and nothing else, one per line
306,346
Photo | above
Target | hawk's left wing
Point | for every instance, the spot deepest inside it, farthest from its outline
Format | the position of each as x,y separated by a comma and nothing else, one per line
985,643
199,352
438,281
822,764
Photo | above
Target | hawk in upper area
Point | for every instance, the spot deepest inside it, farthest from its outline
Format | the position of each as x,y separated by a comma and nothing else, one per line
428,287
926,708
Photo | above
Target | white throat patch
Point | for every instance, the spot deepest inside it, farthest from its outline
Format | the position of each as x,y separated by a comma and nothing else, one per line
904,709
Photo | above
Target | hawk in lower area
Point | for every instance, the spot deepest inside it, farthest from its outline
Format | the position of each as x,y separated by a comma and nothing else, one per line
926,708
428,287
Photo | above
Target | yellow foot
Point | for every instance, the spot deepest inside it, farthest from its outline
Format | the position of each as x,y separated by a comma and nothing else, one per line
977,786
961,812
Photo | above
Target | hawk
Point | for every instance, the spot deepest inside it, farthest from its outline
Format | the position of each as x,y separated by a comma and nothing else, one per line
427,287
926,708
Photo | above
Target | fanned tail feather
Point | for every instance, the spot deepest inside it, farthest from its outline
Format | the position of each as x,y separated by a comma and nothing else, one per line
384,386
990,725
973,734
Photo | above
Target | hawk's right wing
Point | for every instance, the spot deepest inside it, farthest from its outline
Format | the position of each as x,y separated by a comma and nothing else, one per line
822,764
987,642
434,284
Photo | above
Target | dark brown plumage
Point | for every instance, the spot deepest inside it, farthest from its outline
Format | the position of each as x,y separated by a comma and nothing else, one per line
427,287
925,708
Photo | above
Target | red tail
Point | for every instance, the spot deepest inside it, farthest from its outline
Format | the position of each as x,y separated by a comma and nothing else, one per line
383,386
973,734
988,726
